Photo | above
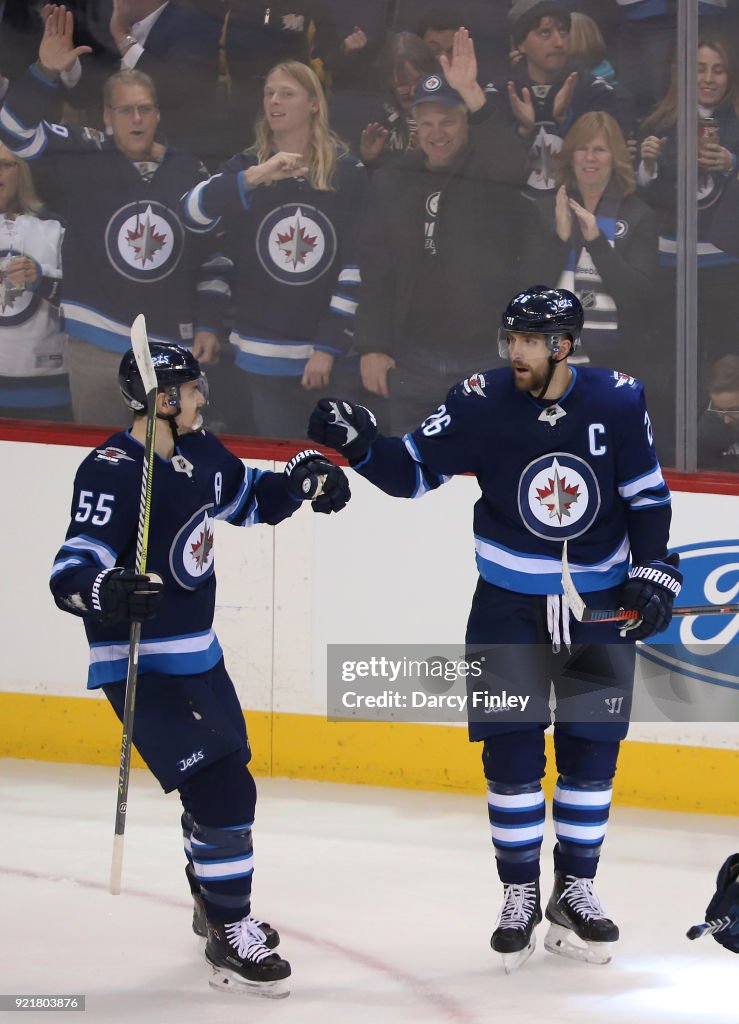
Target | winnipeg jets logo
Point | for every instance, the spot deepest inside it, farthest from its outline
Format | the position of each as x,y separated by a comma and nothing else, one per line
201,545
16,303
296,244
144,241
192,556
545,158
623,380
475,385
558,496
112,455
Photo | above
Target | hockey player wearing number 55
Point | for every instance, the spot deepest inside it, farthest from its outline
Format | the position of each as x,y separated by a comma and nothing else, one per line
189,726
560,454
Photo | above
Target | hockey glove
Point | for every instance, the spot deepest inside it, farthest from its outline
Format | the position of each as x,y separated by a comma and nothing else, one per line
349,429
312,477
725,903
122,595
651,589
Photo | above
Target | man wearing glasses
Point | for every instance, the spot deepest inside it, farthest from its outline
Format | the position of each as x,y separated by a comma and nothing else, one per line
125,248
718,428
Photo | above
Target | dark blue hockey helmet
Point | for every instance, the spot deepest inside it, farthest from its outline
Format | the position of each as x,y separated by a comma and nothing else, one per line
173,365
553,312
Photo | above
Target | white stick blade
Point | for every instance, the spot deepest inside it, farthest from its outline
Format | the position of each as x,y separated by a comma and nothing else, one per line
576,603
142,355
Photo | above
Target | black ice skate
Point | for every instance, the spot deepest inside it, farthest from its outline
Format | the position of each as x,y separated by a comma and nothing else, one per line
514,934
270,935
242,962
579,928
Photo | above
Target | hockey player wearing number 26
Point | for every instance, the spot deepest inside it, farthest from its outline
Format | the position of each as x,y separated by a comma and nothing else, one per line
188,726
560,454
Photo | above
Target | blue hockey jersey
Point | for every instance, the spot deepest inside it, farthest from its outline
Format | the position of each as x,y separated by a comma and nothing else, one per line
201,483
125,247
293,251
581,469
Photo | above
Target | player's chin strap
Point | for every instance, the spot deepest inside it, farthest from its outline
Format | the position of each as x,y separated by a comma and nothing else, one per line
558,608
553,363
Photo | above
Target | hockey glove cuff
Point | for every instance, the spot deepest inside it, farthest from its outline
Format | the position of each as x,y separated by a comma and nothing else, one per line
349,429
725,904
312,477
122,595
651,590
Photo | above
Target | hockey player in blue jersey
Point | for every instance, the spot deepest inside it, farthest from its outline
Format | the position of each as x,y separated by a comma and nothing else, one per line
560,454
189,726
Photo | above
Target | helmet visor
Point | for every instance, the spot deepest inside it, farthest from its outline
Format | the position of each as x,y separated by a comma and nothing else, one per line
505,334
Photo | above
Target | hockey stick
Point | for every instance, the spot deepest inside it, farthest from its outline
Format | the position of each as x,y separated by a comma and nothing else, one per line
584,614
140,345
711,927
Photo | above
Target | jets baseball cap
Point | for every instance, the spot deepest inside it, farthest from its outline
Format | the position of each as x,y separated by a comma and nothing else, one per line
524,15
435,89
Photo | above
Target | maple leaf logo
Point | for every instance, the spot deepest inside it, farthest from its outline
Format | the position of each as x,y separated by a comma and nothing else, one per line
296,244
557,497
201,549
145,240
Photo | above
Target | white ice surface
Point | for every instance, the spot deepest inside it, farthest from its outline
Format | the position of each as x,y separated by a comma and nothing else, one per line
385,901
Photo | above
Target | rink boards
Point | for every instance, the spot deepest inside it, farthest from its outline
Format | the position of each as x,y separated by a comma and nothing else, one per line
384,572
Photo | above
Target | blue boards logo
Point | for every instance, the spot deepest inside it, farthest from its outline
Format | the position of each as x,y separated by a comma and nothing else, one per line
704,647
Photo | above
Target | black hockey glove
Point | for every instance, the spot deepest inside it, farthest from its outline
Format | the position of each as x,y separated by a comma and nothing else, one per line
312,477
349,429
121,595
651,589
725,903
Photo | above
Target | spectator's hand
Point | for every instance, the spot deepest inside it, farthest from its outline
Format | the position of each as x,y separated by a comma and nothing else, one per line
355,41
277,168
563,99
650,152
586,220
206,347
523,109
461,71
714,157
317,373
563,214
120,21
57,51
515,57
23,272
372,142
373,368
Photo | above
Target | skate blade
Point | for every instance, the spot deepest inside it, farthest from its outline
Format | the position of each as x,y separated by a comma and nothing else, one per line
564,942
512,961
227,981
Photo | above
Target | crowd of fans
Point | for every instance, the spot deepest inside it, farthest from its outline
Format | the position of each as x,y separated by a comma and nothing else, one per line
399,170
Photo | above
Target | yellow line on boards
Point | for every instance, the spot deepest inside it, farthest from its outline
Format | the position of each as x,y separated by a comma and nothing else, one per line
84,730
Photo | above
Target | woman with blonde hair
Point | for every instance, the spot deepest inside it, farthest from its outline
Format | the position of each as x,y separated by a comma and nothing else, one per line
288,207
33,381
598,240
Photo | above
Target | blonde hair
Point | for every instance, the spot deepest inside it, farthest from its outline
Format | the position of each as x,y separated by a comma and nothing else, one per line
324,148
586,43
129,76
585,129
665,113
27,199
